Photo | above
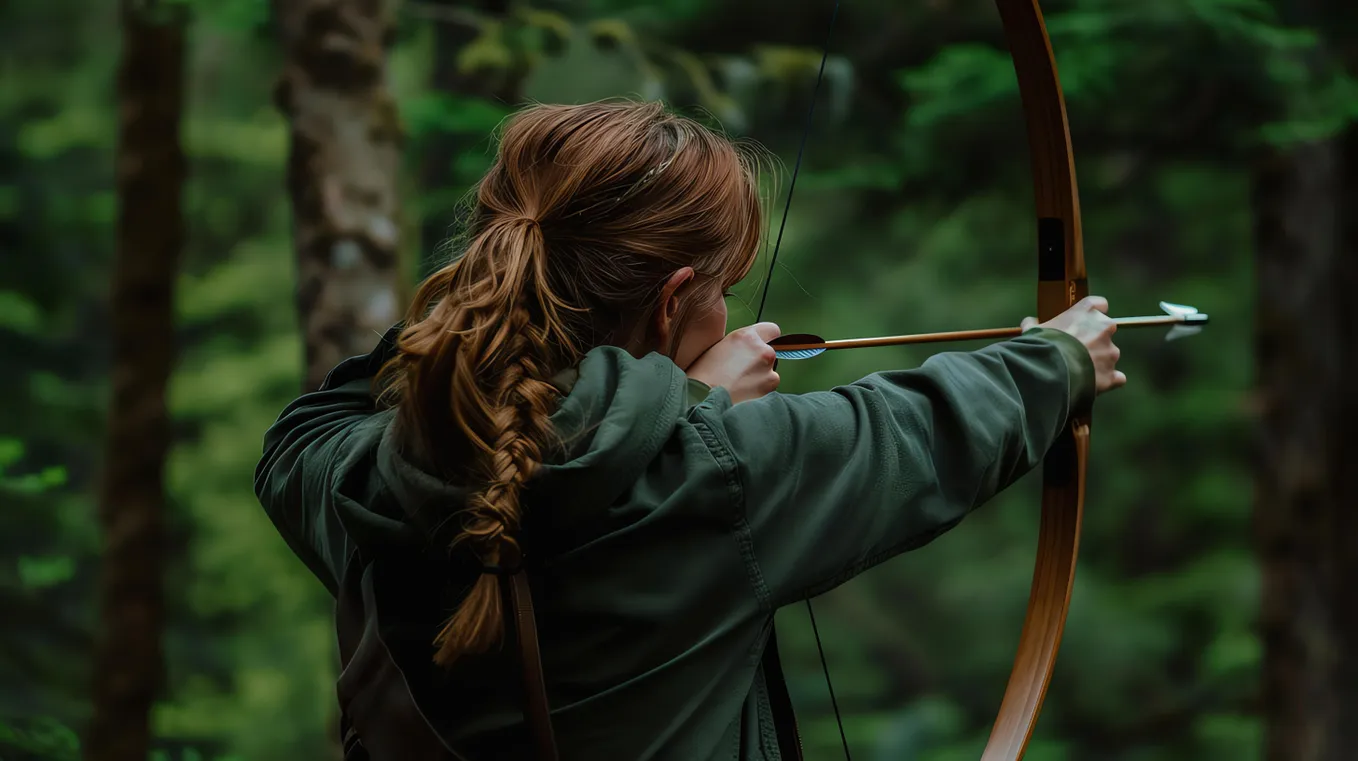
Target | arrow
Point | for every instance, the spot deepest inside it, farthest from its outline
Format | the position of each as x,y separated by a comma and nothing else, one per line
1183,320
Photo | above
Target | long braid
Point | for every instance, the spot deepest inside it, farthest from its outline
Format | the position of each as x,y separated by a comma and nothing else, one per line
520,428
484,336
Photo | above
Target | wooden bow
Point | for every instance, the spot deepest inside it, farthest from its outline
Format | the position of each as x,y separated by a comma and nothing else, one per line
1061,283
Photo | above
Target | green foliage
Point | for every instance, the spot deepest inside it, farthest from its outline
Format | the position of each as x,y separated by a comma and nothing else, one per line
11,452
18,314
45,738
913,212
661,12
231,15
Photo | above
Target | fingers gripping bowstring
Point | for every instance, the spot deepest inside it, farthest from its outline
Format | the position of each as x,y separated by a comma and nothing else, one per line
759,315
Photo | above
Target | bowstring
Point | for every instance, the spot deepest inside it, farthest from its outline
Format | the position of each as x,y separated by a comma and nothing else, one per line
797,168
759,315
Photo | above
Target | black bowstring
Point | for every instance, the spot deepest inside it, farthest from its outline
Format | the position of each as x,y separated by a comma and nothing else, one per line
768,280
825,667
797,168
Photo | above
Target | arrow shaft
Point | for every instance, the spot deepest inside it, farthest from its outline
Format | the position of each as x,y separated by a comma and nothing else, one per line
959,335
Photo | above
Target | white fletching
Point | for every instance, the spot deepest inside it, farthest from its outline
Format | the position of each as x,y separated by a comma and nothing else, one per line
1177,310
1182,331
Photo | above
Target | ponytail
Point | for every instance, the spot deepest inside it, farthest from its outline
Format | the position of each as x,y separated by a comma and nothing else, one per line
481,346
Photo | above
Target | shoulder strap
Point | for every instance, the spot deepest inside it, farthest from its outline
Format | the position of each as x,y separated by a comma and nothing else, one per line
536,712
780,702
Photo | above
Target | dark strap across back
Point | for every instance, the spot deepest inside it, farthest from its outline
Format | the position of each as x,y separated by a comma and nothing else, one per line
536,713
379,720
780,702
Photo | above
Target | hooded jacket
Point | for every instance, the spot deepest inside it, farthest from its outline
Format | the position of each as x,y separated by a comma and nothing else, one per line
661,541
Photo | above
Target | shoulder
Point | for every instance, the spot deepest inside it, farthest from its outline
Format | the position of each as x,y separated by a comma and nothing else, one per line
636,431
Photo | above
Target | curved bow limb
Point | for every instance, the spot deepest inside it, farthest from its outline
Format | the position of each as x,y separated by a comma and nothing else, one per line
1062,282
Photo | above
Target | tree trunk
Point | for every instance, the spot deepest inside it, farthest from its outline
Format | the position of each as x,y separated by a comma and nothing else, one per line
342,174
1306,234
151,171
441,150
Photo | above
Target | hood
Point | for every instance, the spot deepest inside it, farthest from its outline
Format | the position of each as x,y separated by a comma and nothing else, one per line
616,415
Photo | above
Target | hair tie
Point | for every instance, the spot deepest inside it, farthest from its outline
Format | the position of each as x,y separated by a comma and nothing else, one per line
509,562
499,570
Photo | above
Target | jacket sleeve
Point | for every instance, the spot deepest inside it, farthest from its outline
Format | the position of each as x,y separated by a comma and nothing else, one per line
301,451
835,482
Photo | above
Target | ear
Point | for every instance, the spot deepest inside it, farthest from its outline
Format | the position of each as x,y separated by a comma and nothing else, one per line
666,315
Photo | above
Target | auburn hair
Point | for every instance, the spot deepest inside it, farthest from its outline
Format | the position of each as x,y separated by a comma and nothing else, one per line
572,233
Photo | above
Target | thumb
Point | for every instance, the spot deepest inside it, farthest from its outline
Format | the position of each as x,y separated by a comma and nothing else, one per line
1028,324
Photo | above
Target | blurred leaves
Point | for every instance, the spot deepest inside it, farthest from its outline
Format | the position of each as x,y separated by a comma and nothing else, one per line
43,738
438,112
11,452
913,212
18,314
42,572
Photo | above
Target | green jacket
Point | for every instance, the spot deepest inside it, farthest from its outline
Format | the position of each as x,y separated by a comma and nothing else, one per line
664,541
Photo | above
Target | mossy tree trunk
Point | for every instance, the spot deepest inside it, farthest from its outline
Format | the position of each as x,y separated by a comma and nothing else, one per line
345,143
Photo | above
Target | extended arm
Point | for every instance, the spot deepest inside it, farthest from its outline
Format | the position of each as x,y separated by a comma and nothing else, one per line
834,482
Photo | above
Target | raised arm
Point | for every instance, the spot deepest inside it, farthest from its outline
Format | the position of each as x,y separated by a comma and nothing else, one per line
301,451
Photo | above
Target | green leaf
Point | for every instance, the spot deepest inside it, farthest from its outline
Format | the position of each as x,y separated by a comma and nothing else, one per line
961,80
441,112
19,314
45,738
11,451
40,572
36,483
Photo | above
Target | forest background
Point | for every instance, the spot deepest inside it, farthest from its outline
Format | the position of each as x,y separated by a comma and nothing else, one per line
1218,162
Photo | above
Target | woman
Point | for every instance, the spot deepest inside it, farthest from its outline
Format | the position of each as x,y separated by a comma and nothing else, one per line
563,396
